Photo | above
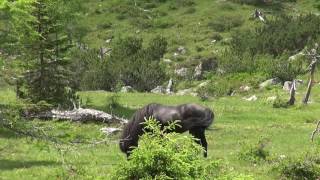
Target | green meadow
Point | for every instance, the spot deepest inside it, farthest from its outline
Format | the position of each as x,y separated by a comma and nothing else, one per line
237,125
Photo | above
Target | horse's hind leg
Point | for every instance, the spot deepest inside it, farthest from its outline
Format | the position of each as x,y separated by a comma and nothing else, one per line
199,134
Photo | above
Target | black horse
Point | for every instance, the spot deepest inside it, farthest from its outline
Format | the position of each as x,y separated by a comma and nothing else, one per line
192,117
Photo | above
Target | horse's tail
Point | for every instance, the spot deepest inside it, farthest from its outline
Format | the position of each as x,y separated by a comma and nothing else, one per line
209,116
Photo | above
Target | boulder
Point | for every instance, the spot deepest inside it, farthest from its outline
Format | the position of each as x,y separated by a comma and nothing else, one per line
198,72
251,98
186,92
169,87
244,88
126,89
168,61
182,72
181,50
203,84
269,82
158,90
287,85
271,99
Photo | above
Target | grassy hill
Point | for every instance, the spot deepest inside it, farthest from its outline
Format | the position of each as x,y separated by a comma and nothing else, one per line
188,23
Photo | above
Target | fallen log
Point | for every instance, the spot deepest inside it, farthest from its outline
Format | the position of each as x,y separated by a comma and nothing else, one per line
79,115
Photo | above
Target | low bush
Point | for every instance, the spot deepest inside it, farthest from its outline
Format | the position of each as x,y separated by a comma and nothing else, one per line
255,153
280,103
162,155
300,168
225,23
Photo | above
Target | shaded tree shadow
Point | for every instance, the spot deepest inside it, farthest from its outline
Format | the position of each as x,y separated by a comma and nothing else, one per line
5,133
6,164
120,111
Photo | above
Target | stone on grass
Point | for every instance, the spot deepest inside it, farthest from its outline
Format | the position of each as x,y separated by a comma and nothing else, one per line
269,82
158,90
251,98
126,89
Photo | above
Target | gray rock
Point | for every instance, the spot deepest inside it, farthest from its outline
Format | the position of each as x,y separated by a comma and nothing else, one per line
203,84
158,90
251,98
269,82
169,87
287,85
126,89
244,88
186,92
181,50
182,72
168,61
271,99
198,72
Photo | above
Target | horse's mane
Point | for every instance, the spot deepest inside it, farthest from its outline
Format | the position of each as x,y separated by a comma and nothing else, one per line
134,128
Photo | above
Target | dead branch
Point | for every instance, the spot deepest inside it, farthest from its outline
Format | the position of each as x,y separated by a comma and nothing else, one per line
315,131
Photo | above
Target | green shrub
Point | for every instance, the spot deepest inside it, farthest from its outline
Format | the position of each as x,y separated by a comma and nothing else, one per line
255,153
280,103
225,85
292,34
216,36
105,25
180,3
300,168
136,66
162,155
225,22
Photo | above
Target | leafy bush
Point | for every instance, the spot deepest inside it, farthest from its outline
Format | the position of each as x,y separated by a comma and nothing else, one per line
292,34
225,85
135,66
216,36
255,153
261,2
280,103
225,23
300,168
181,3
162,155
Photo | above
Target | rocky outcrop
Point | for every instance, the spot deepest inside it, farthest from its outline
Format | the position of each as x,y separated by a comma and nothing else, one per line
189,91
126,89
198,72
182,72
269,82
169,89
158,90
251,98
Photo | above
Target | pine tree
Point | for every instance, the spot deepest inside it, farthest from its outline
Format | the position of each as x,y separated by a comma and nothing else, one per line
45,52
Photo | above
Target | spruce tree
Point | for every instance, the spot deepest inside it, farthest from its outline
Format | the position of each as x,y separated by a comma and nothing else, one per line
44,43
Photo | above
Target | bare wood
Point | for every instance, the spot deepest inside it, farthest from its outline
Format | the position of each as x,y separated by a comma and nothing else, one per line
316,130
292,93
310,84
79,115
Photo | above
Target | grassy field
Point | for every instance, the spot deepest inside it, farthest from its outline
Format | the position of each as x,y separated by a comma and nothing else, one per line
191,25
238,123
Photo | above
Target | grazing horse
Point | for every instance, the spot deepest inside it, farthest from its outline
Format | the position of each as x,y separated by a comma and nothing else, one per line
192,117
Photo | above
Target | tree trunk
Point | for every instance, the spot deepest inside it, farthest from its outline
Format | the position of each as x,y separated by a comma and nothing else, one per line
292,93
310,84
